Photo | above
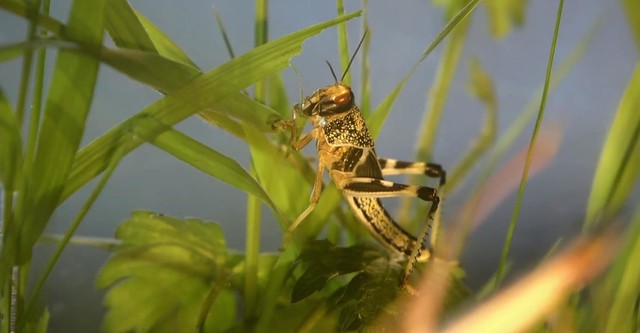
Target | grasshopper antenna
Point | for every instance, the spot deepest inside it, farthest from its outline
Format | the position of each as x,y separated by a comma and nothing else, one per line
353,56
332,72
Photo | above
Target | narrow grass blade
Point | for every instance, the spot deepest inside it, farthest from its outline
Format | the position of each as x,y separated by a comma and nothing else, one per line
125,28
517,127
203,158
376,120
632,8
130,29
619,164
503,15
525,172
223,31
365,84
22,9
623,282
65,112
200,93
11,145
343,44
481,86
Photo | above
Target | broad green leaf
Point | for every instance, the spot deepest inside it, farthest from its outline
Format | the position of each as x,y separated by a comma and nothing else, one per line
619,164
65,112
206,160
325,261
200,93
161,274
504,14
11,143
632,8
376,120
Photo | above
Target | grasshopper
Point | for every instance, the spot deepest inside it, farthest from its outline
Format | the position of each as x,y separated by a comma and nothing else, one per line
346,149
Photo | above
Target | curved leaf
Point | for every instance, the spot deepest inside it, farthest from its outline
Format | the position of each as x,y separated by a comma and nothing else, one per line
200,93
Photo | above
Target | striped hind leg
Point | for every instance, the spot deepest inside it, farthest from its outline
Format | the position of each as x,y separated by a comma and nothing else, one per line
394,167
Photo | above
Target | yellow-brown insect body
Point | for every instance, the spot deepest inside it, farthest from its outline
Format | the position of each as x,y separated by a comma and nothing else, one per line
346,148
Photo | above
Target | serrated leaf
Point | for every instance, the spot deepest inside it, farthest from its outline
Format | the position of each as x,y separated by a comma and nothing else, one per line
198,94
326,261
314,278
366,295
619,163
161,274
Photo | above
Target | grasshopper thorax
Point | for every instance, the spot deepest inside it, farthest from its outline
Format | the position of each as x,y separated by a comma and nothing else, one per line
330,100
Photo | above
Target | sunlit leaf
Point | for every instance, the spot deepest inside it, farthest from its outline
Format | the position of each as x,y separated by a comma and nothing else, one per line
376,120
504,14
632,8
481,86
11,142
207,160
161,274
199,94
65,112
622,285
619,163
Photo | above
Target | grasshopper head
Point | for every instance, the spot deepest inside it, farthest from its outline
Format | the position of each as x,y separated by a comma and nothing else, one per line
330,100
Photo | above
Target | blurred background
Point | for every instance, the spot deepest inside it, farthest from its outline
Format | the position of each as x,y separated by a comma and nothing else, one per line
149,179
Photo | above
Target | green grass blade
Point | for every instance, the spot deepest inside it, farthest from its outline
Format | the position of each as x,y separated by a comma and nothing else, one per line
66,109
125,28
516,210
149,68
632,8
161,73
165,46
343,45
504,14
10,148
619,164
624,278
202,158
114,162
130,29
245,109
365,84
481,86
376,120
22,9
223,31
200,93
